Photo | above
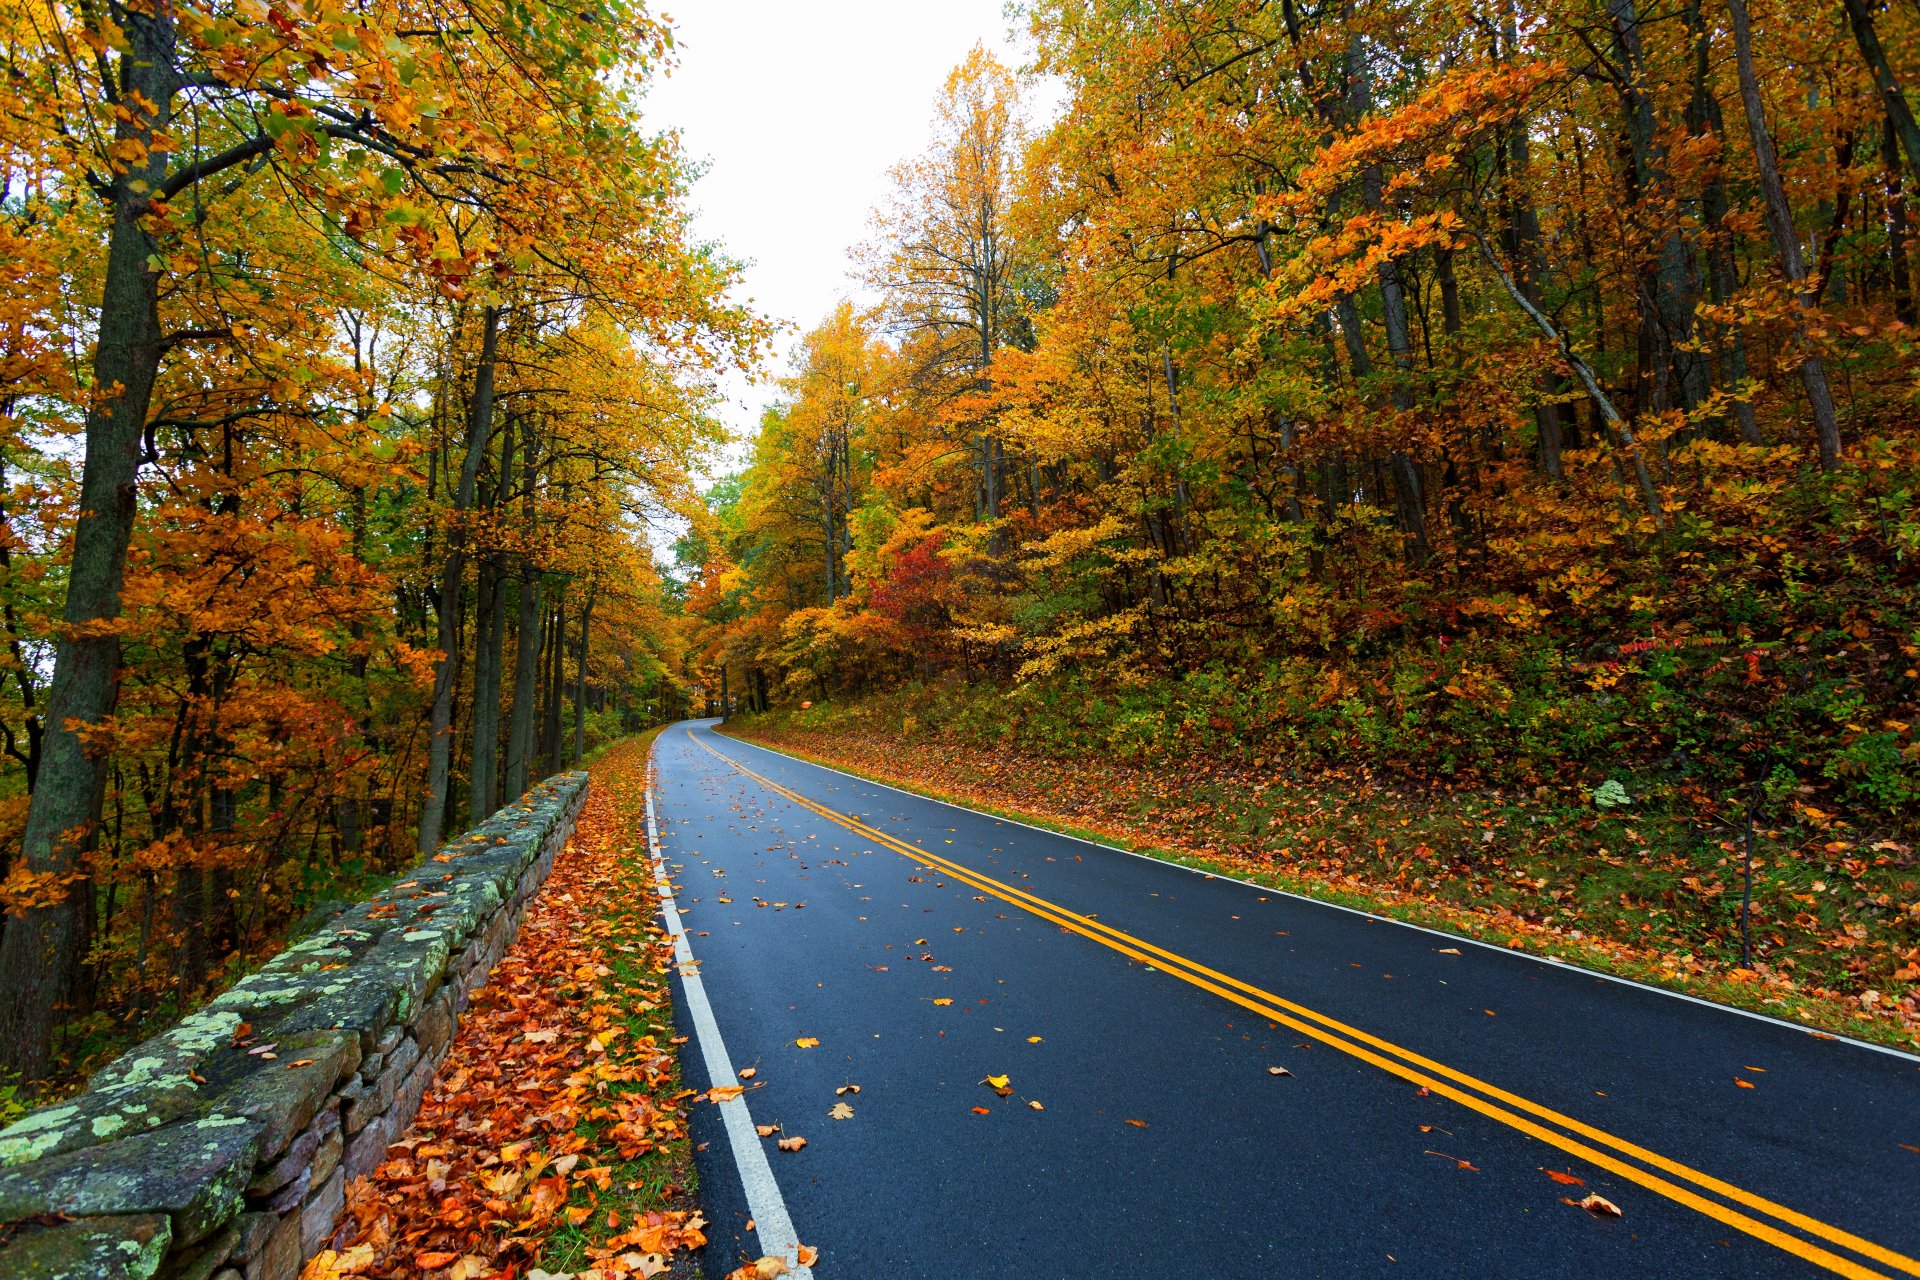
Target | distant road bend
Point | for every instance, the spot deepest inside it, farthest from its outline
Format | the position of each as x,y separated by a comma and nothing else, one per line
1206,1078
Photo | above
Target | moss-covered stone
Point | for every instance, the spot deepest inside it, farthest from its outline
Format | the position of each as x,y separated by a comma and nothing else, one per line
122,1247
192,1170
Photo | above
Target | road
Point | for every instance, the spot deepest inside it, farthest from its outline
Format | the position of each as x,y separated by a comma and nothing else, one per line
1432,1089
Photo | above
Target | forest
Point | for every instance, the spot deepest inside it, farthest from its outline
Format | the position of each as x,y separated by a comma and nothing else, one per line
353,357
1507,401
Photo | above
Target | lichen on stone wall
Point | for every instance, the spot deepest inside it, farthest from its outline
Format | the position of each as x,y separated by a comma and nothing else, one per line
153,1163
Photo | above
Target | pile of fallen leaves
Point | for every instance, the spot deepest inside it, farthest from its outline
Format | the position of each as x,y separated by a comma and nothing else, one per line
1504,868
560,1095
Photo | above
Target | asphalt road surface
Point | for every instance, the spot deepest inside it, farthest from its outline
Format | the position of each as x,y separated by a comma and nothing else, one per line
1432,1086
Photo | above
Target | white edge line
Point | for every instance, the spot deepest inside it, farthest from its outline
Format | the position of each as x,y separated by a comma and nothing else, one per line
771,1223
1553,961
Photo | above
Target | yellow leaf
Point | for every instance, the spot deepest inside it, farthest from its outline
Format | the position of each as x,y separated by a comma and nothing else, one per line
997,1082
807,1042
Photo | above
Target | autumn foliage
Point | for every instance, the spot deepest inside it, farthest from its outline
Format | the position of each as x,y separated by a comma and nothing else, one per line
348,352
1514,399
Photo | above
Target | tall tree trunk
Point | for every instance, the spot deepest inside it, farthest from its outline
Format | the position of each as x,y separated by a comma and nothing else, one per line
1722,279
1899,113
1409,490
526,673
556,666
1786,244
483,790
1897,235
40,950
447,671
1666,293
490,653
580,682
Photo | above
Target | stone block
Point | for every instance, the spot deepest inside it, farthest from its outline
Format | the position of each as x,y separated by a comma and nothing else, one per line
281,1258
255,1230
192,1170
289,1197
327,1158
298,1155
200,1261
380,1091
122,1247
321,1211
433,1030
285,1096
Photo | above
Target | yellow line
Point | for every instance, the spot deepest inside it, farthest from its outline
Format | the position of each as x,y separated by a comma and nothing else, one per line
1281,1010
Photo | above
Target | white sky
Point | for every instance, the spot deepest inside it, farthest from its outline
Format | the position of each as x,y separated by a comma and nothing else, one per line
799,108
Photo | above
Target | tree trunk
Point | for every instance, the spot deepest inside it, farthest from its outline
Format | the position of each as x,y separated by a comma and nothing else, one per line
483,788
1897,227
556,666
580,683
526,671
1786,244
1666,293
446,673
40,950
1899,114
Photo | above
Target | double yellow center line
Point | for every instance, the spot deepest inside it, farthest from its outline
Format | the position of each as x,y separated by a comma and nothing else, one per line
1576,1138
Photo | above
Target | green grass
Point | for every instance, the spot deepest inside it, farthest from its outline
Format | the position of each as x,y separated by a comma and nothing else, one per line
662,1179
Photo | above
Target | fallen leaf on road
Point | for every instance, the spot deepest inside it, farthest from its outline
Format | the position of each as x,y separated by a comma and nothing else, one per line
807,1253
1449,951
841,1111
1036,1105
766,1130
1598,1206
1138,1124
748,1073
943,1000
981,1111
1564,1179
724,1092
846,1088
1744,1084
997,1082
1761,1070
806,1042
1464,1164
792,1144
919,942
1278,1071
1033,1039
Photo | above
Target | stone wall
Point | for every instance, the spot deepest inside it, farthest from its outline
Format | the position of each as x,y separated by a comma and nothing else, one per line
221,1149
